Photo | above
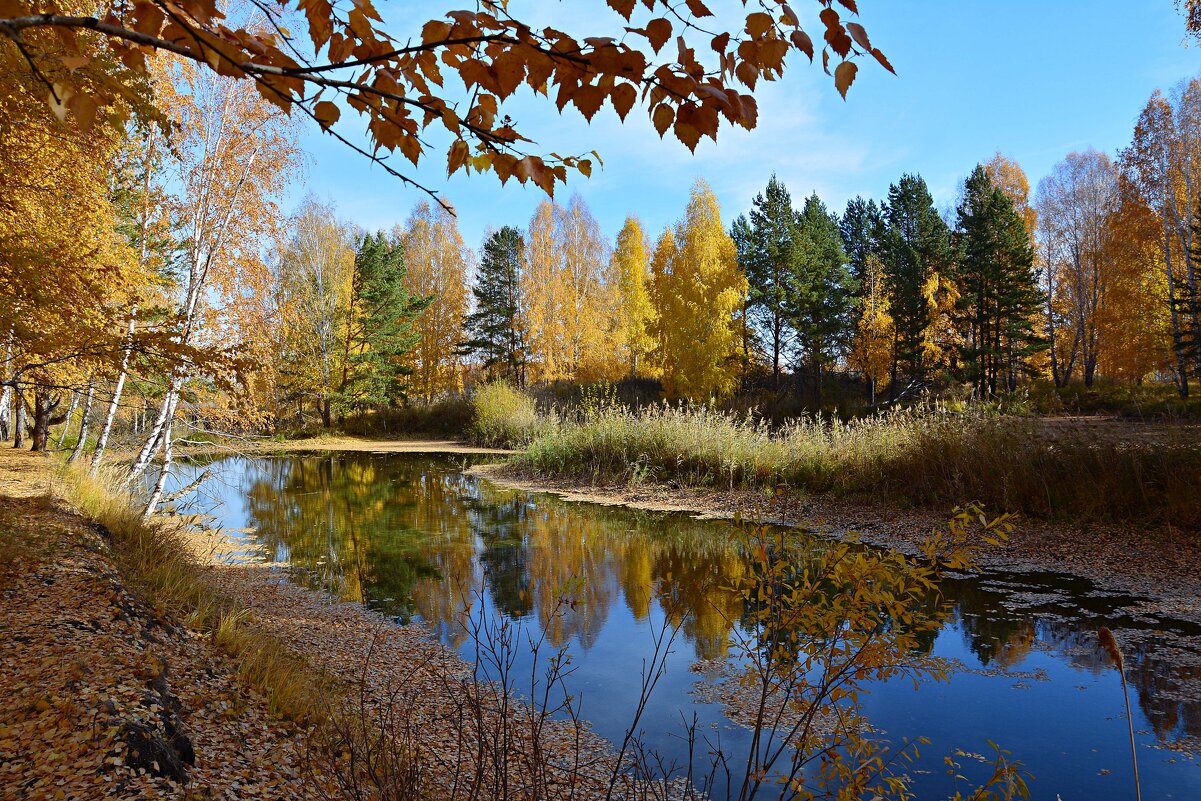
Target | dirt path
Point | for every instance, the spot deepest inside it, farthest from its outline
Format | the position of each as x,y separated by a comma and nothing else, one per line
1161,564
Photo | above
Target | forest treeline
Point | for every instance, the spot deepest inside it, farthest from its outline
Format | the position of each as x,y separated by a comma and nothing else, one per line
152,282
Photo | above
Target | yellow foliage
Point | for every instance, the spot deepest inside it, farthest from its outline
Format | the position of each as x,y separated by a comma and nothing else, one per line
635,315
569,299
698,290
437,262
872,350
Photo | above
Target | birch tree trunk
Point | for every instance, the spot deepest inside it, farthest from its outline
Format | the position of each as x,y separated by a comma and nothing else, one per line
62,436
115,402
6,398
164,471
81,443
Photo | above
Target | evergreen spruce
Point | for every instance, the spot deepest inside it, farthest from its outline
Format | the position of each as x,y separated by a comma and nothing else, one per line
380,329
916,248
767,254
999,294
494,326
823,296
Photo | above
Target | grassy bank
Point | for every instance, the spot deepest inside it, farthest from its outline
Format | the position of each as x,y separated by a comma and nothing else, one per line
919,457
157,565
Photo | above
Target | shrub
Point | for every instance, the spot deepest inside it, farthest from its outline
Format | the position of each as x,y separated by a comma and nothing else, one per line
506,416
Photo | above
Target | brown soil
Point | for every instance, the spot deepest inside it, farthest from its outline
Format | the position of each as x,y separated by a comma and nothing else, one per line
1162,564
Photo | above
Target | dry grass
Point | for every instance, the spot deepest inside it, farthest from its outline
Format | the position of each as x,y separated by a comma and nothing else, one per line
156,563
926,457
506,417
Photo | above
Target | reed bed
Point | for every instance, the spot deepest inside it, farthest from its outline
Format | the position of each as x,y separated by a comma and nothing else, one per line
921,457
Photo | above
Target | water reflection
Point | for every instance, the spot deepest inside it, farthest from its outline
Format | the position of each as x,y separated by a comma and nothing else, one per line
416,538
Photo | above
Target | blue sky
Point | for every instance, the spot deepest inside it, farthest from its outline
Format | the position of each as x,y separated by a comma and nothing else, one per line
1034,79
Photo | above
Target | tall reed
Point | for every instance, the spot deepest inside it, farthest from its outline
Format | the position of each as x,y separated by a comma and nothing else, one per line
926,456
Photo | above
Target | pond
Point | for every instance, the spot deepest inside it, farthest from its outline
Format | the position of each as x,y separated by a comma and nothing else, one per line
416,538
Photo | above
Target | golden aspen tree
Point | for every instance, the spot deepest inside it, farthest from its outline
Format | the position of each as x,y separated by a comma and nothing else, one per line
437,262
1134,324
635,315
698,293
871,351
542,294
569,298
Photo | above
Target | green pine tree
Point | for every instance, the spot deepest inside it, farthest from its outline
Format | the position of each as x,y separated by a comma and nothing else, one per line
823,300
862,227
767,253
494,326
999,293
915,247
379,328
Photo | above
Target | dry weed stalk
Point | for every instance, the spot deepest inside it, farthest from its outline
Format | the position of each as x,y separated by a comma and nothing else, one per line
1110,644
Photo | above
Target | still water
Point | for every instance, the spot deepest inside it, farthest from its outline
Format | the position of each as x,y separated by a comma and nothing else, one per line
417,539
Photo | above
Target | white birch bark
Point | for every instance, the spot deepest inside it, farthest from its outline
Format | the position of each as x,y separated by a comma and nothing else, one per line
77,451
114,402
163,473
62,436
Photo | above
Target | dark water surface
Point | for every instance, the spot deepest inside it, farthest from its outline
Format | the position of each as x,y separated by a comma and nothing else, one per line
412,536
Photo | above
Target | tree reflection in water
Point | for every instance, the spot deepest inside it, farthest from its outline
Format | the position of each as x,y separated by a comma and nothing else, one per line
413,537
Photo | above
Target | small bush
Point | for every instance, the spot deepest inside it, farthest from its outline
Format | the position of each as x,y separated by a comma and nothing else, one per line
449,417
506,416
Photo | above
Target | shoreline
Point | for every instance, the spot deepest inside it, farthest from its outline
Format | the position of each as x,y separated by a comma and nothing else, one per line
341,444
1162,565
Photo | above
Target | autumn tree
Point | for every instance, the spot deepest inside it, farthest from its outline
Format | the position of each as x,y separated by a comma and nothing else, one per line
437,263
232,156
568,295
635,315
1135,325
68,279
1074,204
698,291
872,346
494,328
1164,164
315,273
396,81
999,295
